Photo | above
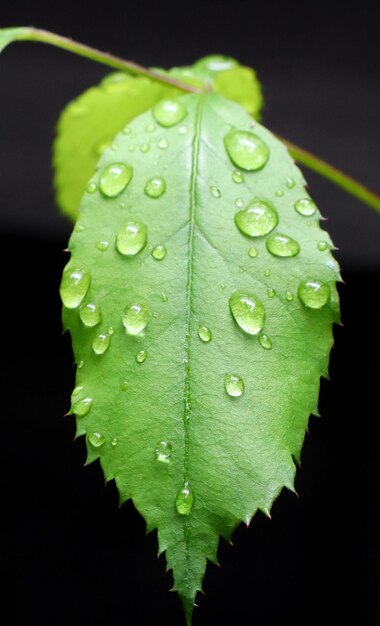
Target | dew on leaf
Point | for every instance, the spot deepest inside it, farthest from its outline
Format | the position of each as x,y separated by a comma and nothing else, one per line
290,183
246,150
82,407
100,343
289,296
238,177
163,143
80,365
239,203
126,130
102,245
74,286
96,440
90,314
257,219
164,297
150,128
265,341
91,187
184,500
144,148
314,294
253,252
76,390
322,246
204,333
131,238
234,385
131,147
163,451
141,356
159,252
183,130
135,318
282,245
124,386
271,292
114,147
305,207
114,179
155,187
215,191
114,442
279,193
267,272
248,312
169,112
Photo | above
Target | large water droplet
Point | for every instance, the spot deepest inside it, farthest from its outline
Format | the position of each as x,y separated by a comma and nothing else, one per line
141,356
163,451
246,150
169,112
184,500
265,341
204,333
313,293
238,177
131,238
282,245
234,385
155,187
82,407
90,314
305,207
114,179
101,343
258,219
248,311
96,440
74,286
159,252
135,318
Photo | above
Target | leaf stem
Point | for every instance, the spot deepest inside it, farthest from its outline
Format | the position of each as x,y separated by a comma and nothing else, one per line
44,36
334,175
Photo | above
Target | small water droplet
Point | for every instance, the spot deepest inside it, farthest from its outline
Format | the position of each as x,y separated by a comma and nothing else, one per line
271,292
114,147
76,390
163,143
159,252
131,147
80,365
102,245
282,245
82,407
91,187
253,252
124,386
141,356
248,312
110,331
239,203
78,110
96,440
290,183
114,179
114,442
322,246
313,293
101,343
135,318
222,286
150,128
204,333
78,228
258,219
144,148
183,130
246,150
164,297
215,191
305,207
126,130
131,238
169,112
74,286
234,385
163,451
184,500
101,147
265,341
90,314
155,187
267,272
279,193
289,296
238,177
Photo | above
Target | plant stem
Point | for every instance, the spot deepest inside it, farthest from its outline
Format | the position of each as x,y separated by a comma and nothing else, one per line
350,185
44,36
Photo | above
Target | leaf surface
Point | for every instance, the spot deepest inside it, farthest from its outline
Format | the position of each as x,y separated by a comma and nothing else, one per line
154,404
89,123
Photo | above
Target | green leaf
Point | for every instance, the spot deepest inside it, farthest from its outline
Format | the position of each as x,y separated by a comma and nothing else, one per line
90,122
8,35
198,369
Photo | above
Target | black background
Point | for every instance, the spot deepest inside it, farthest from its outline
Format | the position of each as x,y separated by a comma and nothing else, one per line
71,557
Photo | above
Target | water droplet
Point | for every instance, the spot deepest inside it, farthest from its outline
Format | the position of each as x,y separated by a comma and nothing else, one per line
102,245
313,293
290,183
215,191
322,246
114,442
135,318
150,128
78,228
238,177
91,187
239,203
265,341
76,390
282,245
126,130
96,440
163,451
115,147
131,147
141,356
144,148
204,333
159,252
305,207
77,109
163,143
74,286
164,297
155,187
253,252
80,364
110,330
82,407
131,238
90,314
267,272
183,130
246,150
248,311
124,386
234,385
271,292
169,112
279,193
101,343
114,179
258,219
101,147
184,500
289,296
